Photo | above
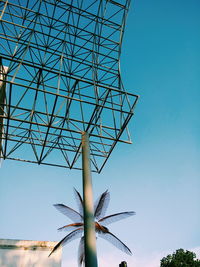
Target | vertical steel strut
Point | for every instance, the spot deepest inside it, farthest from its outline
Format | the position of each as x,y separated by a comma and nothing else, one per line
89,226
3,72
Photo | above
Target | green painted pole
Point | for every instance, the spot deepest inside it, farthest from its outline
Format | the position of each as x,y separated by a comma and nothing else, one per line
89,226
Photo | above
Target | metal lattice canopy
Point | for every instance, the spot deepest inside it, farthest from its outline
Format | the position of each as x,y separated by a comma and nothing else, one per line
60,76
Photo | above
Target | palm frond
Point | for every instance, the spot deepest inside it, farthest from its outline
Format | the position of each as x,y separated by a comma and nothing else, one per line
79,201
70,227
71,236
69,212
101,205
101,221
81,253
115,241
100,228
116,217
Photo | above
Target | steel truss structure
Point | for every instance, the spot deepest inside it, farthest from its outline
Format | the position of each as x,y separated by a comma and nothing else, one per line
60,62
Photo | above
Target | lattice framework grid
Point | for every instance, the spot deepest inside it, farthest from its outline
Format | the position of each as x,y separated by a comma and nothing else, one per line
60,62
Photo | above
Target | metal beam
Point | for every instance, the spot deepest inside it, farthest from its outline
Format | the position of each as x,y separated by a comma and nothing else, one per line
3,72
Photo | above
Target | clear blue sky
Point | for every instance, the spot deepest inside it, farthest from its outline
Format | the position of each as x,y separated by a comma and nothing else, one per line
158,176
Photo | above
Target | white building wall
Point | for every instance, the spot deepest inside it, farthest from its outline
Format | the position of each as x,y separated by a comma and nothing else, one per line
24,253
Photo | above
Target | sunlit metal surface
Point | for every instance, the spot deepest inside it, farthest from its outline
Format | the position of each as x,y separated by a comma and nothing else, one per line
63,79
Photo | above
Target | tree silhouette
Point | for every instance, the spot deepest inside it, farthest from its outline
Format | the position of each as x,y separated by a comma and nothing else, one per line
101,221
180,258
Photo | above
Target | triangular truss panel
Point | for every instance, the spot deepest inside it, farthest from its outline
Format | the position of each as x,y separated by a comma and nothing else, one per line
60,77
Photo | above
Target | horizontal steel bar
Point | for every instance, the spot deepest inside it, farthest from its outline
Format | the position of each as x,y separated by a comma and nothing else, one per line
34,131
68,130
11,139
72,77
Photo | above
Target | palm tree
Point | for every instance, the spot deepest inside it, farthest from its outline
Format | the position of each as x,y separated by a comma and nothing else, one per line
101,221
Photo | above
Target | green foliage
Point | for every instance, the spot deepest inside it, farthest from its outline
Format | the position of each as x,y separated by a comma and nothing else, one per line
180,258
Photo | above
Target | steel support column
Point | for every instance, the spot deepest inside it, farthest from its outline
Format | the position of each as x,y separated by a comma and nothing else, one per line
89,226
3,72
